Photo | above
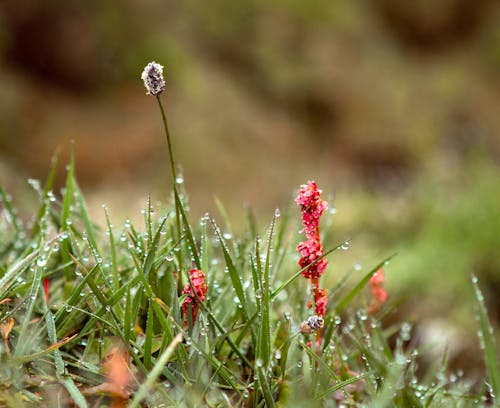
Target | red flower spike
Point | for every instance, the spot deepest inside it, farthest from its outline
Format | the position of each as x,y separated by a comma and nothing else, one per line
321,301
200,287
311,250
312,206
379,294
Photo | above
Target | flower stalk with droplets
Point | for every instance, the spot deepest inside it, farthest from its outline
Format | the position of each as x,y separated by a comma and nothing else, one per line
154,81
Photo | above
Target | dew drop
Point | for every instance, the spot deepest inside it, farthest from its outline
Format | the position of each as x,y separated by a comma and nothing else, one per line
41,262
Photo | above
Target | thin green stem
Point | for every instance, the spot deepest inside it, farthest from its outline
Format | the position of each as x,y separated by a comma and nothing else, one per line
169,142
174,185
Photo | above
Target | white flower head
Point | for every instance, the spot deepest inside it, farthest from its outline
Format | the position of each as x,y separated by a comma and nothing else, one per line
153,78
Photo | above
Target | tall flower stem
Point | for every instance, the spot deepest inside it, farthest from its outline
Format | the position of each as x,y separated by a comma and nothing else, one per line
169,142
174,184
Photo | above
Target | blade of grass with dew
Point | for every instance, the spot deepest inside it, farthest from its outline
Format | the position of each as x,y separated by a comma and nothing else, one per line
15,271
148,341
487,340
153,375
127,319
224,372
24,334
63,378
265,388
264,333
187,229
49,185
361,284
204,246
167,329
14,219
150,257
112,247
65,213
233,273
74,297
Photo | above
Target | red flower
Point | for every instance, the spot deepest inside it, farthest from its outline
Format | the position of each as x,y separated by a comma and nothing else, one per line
311,250
312,207
321,301
200,287
379,294
377,278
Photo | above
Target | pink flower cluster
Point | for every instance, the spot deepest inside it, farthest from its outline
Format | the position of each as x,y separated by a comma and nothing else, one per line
198,283
379,294
321,301
312,206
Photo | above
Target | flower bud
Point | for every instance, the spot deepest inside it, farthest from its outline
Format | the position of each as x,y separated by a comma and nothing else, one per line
153,78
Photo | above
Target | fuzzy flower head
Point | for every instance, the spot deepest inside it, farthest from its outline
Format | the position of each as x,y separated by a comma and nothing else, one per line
200,287
153,78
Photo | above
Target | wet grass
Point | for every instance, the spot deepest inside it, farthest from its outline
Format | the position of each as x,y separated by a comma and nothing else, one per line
94,316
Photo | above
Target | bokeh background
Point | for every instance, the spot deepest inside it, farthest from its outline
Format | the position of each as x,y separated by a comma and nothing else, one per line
392,106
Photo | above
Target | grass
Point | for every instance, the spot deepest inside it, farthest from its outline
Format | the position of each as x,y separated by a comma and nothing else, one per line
94,316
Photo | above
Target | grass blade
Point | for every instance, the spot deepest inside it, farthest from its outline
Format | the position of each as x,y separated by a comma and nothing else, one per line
147,385
487,340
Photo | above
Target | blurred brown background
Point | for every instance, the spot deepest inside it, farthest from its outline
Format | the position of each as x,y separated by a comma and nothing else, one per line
393,107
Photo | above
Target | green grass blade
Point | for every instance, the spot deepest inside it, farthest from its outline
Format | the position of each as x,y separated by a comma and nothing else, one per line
49,184
189,232
112,246
150,257
264,386
487,340
147,385
148,341
15,271
65,380
233,273
68,192
25,335
14,219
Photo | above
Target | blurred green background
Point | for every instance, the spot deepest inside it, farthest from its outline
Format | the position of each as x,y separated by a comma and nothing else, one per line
393,107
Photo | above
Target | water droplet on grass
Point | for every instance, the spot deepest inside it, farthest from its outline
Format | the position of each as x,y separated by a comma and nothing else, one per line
41,262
